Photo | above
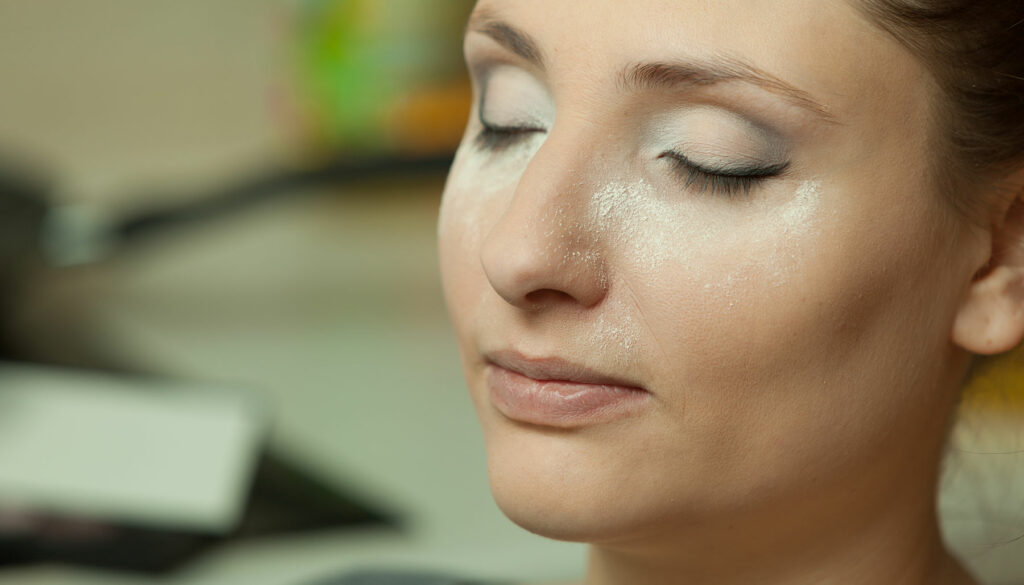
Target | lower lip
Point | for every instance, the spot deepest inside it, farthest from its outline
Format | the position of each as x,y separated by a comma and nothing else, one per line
556,403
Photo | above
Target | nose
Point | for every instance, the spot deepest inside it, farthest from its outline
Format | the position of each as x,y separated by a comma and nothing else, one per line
543,250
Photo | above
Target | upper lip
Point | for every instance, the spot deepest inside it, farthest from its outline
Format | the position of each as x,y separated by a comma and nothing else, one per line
555,369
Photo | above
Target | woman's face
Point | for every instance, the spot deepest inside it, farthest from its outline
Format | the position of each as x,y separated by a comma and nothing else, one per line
695,262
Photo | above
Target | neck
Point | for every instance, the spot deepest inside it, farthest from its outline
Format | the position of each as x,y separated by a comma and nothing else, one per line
897,544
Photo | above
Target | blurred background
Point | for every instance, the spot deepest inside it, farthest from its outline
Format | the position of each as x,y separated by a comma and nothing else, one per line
225,354
225,357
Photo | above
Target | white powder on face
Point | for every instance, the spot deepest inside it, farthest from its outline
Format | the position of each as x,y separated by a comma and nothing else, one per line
476,180
644,233
796,215
641,236
660,230
615,332
497,172
660,234
794,221
655,230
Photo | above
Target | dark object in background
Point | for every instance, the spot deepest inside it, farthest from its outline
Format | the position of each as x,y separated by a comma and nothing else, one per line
394,578
134,229
27,218
23,207
36,233
284,499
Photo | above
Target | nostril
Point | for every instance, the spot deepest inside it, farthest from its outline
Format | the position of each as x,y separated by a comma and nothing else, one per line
546,296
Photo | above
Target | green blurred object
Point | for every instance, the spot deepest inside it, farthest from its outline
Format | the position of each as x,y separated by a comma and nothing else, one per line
382,76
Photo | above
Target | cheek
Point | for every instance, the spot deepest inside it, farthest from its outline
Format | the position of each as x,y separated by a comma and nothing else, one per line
702,275
459,234
459,219
475,194
478,187
460,231
805,343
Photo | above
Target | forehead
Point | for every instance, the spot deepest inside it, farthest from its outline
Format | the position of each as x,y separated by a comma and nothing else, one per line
824,47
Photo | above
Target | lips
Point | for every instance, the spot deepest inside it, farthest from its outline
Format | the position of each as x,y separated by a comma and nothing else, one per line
558,393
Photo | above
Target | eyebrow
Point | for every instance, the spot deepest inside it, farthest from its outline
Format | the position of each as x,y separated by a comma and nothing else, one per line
667,75
485,21
658,75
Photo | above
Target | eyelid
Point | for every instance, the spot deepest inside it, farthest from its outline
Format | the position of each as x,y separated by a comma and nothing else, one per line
707,134
526,125
731,154
754,170
510,96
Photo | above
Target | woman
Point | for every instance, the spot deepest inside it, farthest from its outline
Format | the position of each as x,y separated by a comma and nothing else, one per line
719,270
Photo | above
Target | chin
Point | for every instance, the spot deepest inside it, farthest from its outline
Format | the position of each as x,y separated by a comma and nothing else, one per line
539,508
564,487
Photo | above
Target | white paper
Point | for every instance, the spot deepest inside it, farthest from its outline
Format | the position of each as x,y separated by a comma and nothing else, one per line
125,449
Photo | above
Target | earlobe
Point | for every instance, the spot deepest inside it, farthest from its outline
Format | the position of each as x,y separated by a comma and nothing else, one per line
990,319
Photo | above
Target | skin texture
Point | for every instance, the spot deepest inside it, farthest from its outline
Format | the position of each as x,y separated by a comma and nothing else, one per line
803,340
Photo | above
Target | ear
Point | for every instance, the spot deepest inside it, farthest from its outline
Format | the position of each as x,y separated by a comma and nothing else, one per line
990,319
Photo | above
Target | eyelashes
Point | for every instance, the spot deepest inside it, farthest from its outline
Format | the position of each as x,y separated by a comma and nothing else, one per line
494,138
732,181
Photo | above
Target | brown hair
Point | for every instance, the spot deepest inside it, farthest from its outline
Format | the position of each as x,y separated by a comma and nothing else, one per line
974,49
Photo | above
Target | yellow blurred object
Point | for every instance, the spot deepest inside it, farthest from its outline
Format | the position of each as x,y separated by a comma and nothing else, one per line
431,120
997,384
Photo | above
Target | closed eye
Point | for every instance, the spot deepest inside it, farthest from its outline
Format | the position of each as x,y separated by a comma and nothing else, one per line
494,138
729,181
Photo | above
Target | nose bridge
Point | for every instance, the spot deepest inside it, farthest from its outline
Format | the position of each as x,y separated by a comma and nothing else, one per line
543,245
549,196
